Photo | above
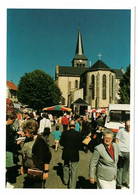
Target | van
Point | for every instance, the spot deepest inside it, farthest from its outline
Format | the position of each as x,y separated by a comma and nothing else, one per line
117,114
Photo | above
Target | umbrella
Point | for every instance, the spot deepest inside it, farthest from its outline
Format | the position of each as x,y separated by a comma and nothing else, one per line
58,107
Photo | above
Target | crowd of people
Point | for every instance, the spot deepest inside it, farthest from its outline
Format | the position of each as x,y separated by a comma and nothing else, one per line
27,144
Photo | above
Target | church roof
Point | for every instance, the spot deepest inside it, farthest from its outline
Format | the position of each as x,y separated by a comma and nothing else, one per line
77,71
79,54
79,47
71,71
80,102
80,57
100,65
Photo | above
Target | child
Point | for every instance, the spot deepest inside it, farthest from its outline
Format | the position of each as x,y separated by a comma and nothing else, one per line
56,134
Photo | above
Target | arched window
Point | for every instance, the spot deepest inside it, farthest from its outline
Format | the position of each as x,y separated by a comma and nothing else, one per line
104,87
69,86
93,86
76,83
62,100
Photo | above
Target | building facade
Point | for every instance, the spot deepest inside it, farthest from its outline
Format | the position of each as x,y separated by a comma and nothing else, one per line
97,85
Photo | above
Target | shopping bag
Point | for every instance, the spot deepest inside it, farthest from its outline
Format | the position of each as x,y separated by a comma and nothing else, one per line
35,172
87,140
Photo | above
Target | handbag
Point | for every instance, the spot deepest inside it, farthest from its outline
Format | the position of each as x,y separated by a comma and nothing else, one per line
87,140
35,172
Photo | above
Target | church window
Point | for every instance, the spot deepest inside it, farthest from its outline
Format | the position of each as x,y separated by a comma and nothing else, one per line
69,86
62,100
104,87
93,86
76,83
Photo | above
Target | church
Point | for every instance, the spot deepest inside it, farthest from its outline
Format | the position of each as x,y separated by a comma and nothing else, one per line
93,87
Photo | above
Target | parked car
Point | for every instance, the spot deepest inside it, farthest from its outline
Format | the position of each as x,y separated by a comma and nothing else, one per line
116,116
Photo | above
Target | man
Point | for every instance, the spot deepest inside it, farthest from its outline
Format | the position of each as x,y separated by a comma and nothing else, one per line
44,122
26,116
71,141
123,138
65,122
103,164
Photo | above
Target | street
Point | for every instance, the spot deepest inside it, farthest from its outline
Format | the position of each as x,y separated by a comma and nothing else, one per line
56,171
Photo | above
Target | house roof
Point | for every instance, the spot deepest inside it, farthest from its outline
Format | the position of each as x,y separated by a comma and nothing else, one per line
11,85
80,102
71,71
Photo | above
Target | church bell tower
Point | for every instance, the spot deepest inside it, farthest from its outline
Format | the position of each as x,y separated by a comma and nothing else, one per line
79,59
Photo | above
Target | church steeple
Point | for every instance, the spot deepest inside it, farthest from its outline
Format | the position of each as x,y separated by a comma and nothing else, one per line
79,47
79,60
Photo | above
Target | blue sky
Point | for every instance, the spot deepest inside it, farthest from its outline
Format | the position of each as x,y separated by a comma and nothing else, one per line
43,38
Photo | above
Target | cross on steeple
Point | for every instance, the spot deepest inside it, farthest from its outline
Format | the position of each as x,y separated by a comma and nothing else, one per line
100,56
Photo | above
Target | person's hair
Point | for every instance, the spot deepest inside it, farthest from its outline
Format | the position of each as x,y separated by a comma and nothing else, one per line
44,115
57,128
46,131
11,116
72,124
31,126
31,115
76,117
107,131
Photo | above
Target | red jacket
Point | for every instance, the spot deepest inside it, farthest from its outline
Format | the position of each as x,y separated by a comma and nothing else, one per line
64,120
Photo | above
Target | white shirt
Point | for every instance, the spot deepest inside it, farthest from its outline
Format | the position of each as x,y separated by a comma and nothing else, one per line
43,124
124,140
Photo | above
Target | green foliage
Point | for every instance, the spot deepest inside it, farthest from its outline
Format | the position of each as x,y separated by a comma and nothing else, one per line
124,91
38,90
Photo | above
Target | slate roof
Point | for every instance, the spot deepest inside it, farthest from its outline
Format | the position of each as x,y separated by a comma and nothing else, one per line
77,71
71,71
100,65
79,54
80,102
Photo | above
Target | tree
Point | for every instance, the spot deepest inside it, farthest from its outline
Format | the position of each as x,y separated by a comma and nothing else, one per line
124,91
38,90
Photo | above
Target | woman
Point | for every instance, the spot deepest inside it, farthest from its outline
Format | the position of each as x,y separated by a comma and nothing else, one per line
36,154
103,164
11,150
56,134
